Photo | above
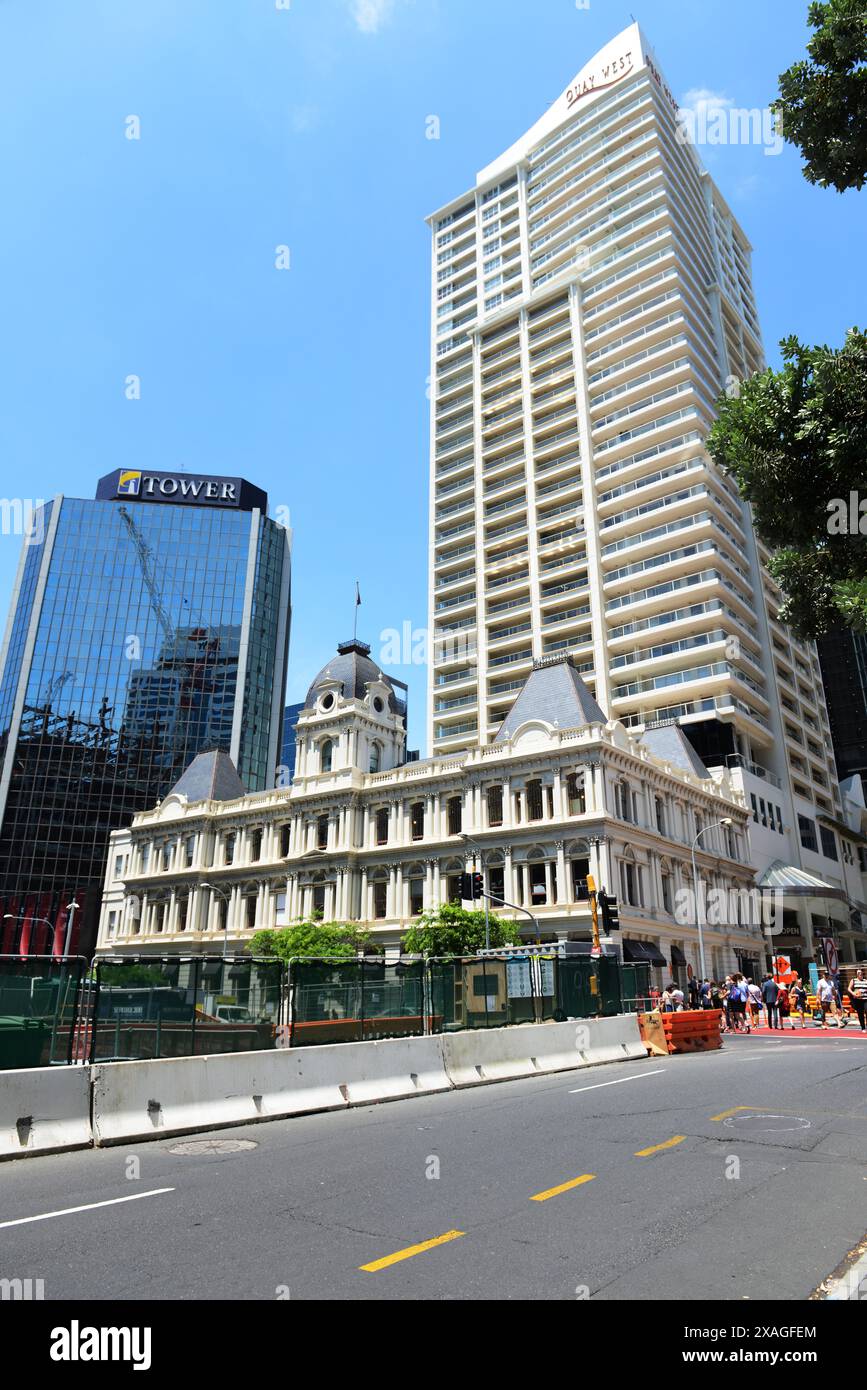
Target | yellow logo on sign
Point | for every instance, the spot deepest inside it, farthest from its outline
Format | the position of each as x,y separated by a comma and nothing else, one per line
129,483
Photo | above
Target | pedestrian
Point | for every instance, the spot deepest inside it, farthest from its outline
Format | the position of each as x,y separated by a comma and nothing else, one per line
705,995
858,995
771,995
694,993
783,1004
797,1000
726,994
666,1000
677,996
739,995
827,1000
838,1000
755,1002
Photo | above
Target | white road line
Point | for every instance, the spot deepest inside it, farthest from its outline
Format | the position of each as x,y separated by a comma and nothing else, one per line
91,1206
638,1077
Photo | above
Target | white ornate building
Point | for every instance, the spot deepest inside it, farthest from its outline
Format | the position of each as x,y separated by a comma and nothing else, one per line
363,835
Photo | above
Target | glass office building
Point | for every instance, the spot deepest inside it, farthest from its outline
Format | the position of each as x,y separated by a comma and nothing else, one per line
147,625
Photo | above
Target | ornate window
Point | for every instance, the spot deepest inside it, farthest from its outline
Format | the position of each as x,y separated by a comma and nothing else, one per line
576,793
494,796
326,755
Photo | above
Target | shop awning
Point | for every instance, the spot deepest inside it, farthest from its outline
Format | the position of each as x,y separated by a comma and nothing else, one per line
798,883
643,952
677,956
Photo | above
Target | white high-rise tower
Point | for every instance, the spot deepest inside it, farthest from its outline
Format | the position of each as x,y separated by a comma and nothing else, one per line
591,297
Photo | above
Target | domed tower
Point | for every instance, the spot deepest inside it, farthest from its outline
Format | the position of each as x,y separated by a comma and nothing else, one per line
352,719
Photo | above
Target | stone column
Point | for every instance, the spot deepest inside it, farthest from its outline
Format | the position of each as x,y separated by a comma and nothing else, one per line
508,877
564,887
429,883
364,913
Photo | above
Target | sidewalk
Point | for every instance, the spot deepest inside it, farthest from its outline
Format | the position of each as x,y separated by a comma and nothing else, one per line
812,1030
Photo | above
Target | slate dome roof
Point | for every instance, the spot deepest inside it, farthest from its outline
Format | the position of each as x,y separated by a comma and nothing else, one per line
353,668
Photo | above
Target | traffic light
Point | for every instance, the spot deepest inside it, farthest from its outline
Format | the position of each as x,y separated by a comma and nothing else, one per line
608,910
472,886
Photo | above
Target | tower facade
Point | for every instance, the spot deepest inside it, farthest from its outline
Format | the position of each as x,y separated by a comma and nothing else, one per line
591,298
147,624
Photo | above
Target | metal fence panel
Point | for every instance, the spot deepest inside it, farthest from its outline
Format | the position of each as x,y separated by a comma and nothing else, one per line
39,997
189,1007
355,1000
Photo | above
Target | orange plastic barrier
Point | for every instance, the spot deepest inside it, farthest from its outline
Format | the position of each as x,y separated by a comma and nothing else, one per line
653,1034
692,1030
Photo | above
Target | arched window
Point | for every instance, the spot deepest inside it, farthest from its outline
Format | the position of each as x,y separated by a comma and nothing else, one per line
326,755
375,757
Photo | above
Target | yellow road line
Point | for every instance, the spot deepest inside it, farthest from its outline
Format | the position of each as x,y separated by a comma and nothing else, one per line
564,1187
734,1111
655,1148
411,1250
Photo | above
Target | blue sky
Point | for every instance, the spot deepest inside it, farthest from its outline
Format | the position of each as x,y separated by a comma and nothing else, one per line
306,127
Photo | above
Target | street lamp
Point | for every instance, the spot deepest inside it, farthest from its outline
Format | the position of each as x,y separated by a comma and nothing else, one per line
471,841
71,908
212,887
13,917
726,820
500,901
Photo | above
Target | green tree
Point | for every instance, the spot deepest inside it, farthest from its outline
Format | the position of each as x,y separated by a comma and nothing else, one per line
796,442
309,939
822,107
451,930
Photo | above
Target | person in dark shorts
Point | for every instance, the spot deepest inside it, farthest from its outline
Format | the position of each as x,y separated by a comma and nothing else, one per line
858,995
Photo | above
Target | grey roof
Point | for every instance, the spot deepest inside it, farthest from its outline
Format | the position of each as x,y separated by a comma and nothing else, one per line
671,745
210,777
554,693
353,668
796,882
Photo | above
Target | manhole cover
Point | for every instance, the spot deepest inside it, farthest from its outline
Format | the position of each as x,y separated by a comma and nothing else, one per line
761,1124
213,1146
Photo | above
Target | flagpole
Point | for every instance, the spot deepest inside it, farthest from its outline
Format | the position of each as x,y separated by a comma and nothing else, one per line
357,604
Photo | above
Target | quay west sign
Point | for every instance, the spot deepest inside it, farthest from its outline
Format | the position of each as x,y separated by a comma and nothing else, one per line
605,76
196,489
613,70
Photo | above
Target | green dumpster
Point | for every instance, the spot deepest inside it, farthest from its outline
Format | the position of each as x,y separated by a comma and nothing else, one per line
21,1042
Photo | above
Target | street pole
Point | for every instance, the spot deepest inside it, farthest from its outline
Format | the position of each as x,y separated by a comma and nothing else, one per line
70,907
487,910
212,888
726,820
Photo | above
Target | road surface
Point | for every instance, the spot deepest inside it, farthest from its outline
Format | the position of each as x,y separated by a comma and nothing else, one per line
734,1175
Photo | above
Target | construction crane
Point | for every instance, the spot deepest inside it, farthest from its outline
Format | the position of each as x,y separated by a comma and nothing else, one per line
146,564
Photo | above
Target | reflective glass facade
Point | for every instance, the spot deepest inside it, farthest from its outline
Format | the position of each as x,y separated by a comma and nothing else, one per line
142,634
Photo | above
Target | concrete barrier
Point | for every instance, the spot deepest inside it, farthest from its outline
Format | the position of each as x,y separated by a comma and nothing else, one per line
43,1110
503,1054
392,1069
144,1100
47,1109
